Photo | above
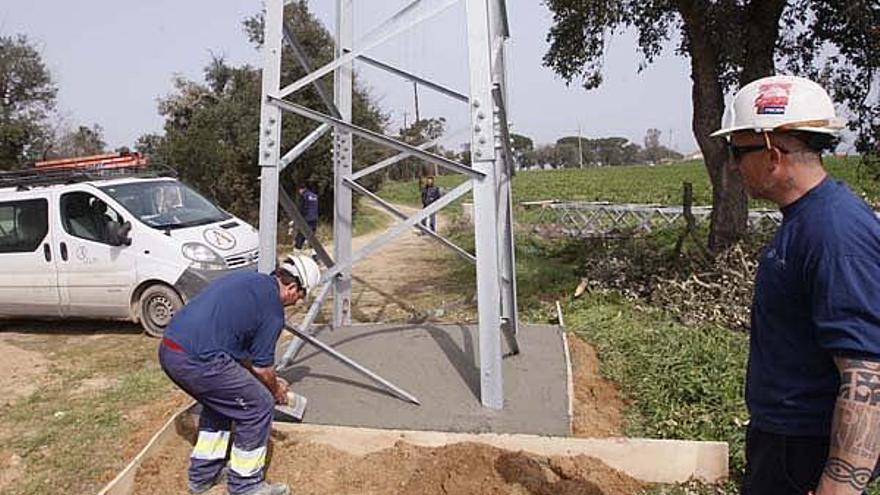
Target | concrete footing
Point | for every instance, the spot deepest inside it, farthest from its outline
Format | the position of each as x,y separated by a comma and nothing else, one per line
439,365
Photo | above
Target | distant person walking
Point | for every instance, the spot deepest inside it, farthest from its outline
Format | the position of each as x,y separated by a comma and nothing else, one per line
813,379
430,193
308,208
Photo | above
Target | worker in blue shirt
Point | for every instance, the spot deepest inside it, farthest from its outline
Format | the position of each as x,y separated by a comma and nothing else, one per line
220,349
813,380
308,208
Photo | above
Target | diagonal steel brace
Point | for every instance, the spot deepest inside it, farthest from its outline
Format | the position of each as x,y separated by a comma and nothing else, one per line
400,228
402,216
300,223
300,55
401,156
376,137
397,24
305,326
397,391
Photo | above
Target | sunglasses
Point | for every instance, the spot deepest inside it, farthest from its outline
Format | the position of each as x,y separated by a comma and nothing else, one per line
737,152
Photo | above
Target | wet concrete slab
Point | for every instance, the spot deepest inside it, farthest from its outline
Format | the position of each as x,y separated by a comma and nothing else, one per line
439,364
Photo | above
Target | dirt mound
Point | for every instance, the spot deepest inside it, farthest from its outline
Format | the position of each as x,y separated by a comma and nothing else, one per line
464,468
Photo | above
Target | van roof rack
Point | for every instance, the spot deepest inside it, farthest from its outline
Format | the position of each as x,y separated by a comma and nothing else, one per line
32,177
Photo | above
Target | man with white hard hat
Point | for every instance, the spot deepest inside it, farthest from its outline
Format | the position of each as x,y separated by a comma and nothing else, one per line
813,380
220,349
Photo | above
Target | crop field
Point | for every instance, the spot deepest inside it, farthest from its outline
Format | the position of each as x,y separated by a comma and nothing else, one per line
632,184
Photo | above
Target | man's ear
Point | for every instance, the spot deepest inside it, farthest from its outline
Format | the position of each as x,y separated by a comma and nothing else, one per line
776,160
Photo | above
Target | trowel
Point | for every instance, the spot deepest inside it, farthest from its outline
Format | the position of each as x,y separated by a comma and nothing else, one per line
294,410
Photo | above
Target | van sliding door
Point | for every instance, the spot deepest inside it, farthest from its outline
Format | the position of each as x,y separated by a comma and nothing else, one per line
29,284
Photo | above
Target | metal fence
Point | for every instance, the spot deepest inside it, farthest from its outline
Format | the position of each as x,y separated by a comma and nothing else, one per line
603,219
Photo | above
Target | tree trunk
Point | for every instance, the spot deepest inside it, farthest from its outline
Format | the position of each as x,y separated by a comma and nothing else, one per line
729,220
762,31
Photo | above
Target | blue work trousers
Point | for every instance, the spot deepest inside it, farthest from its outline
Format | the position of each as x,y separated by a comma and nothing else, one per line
229,394
301,239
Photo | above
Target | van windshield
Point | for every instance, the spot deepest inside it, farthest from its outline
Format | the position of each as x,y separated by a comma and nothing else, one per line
165,204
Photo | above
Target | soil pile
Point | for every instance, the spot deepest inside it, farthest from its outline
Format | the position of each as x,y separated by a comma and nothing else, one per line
464,469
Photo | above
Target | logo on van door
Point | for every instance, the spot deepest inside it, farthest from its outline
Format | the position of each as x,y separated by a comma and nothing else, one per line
219,238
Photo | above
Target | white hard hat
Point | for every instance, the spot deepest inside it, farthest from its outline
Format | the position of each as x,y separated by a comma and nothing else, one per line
303,268
781,103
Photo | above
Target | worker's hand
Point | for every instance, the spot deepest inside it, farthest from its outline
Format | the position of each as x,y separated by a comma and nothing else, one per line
281,390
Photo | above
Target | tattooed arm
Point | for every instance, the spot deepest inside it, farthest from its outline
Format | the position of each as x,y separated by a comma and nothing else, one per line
855,430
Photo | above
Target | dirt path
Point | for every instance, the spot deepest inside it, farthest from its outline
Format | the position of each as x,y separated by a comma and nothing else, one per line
404,281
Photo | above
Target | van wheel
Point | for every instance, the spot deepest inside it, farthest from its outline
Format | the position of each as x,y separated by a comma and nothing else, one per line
158,304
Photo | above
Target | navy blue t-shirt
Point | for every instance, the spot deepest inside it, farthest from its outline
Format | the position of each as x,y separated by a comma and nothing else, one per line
308,206
817,295
240,314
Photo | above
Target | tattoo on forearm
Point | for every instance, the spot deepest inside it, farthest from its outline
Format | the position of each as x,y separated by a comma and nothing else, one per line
843,472
856,430
860,381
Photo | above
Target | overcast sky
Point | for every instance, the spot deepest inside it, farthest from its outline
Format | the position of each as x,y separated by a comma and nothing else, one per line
112,60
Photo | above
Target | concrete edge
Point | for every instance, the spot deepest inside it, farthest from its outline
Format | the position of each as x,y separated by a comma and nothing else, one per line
569,378
123,483
648,460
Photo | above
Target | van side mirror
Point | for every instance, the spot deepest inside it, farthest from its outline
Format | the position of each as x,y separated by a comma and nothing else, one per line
118,233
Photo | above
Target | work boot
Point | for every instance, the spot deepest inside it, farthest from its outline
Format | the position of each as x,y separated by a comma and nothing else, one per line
204,487
269,489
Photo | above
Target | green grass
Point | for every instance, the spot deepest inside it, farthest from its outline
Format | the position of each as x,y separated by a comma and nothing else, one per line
631,184
368,219
68,441
683,382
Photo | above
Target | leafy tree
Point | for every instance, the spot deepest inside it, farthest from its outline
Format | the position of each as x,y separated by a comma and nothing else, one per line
521,147
418,133
211,127
655,152
148,145
632,153
83,141
730,43
28,95
555,156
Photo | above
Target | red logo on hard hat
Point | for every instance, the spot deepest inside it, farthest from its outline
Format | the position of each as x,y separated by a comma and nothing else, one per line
772,98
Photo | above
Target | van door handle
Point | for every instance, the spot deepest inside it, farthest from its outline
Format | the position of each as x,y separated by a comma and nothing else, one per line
47,252
64,251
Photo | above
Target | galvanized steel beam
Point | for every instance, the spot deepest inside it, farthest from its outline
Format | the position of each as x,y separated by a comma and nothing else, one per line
402,216
377,138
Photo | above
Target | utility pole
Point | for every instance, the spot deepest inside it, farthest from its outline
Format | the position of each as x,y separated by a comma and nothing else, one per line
580,147
416,98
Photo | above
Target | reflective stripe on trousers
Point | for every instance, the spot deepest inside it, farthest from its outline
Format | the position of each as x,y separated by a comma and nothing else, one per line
229,394
247,463
211,445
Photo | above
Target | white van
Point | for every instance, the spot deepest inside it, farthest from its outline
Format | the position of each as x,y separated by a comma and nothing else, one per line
128,244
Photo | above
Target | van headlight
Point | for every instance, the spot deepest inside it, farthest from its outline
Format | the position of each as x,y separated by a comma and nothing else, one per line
202,257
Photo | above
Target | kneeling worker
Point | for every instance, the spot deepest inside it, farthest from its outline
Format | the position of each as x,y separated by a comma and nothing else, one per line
220,349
